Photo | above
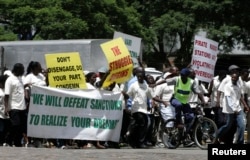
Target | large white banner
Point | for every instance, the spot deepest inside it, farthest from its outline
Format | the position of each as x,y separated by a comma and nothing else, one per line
75,114
204,58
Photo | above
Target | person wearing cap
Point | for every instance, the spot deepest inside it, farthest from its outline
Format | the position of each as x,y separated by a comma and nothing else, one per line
232,109
227,79
102,75
183,86
221,96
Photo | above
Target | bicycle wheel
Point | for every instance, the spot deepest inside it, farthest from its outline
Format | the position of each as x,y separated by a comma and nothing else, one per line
205,133
170,134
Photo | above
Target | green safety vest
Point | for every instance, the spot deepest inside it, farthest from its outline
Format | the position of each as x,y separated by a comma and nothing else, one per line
182,91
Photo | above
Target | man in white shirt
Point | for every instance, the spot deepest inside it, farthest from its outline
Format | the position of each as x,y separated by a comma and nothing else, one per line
232,109
221,90
15,105
139,92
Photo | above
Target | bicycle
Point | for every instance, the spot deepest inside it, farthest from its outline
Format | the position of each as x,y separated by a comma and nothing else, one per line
202,128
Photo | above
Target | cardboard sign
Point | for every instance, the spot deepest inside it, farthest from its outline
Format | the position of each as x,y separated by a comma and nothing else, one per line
133,43
204,58
119,61
65,70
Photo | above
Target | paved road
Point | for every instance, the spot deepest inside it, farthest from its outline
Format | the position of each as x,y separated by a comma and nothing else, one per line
10,153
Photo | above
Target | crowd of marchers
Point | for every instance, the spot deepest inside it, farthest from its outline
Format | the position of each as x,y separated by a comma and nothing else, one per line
148,101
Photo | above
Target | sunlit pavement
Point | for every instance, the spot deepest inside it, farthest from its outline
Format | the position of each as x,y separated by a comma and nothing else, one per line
192,153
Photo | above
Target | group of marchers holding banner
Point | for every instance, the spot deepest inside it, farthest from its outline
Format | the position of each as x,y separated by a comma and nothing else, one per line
119,104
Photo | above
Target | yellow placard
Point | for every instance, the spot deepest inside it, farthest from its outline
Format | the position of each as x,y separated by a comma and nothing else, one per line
65,70
119,60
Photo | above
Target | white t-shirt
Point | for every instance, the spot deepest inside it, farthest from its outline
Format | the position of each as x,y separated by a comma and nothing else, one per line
228,79
165,92
216,84
193,97
38,80
225,81
234,92
140,93
15,89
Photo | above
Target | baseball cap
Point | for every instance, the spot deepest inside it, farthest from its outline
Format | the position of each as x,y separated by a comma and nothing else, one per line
185,72
103,70
233,67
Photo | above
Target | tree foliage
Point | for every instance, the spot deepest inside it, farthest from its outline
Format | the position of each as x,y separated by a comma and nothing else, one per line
69,19
166,27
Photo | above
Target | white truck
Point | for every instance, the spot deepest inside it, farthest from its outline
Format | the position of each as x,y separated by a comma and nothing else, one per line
91,54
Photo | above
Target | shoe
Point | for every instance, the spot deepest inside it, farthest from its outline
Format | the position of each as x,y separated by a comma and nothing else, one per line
188,143
159,145
149,143
26,145
142,146
6,145
216,141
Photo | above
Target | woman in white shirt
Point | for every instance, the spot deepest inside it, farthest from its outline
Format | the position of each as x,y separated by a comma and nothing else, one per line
33,76
91,79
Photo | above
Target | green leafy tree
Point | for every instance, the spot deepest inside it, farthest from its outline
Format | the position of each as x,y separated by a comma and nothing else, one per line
70,19
6,35
166,27
175,23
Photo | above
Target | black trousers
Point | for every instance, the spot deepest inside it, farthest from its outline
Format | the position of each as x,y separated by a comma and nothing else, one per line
138,129
18,119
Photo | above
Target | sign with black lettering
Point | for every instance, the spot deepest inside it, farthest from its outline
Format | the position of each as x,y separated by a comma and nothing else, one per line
65,70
